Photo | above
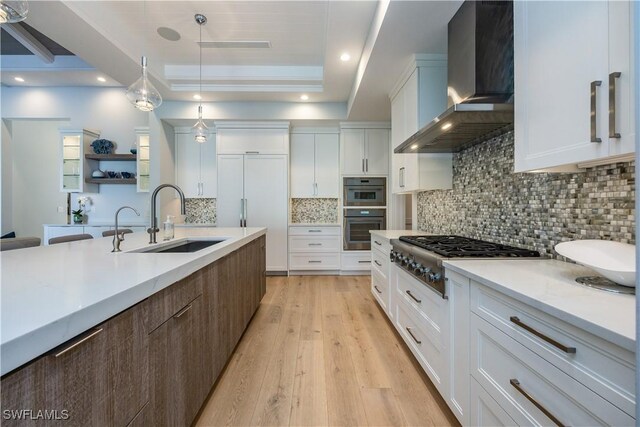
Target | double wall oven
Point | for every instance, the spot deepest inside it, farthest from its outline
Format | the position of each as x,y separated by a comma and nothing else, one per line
365,202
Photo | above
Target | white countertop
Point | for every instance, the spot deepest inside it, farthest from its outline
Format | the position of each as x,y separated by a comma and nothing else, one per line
395,234
550,286
49,294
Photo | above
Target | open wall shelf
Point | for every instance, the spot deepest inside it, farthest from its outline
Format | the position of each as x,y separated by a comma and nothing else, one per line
111,157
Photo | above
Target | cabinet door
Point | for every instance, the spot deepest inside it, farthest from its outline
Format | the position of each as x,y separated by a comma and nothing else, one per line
352,146
231,193
188,165
175,359
327,151
397,134
302,165
411,90
484,410
560,48
266,179
458,348
377,155
208,175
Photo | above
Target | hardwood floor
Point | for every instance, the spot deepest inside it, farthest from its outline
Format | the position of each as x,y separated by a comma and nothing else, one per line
319,352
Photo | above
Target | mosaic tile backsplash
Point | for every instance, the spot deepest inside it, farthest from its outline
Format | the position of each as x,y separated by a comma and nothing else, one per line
314,211
534,210
200,211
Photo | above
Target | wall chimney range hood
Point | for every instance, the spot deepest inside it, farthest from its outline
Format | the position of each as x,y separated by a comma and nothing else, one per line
480,81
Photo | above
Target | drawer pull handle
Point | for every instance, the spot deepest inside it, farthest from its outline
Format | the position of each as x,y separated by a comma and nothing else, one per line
516,384
413,336
315,244
183,311
77,343
516,320
377,263
377,289
364,262
419,301
377,243
315,231
314,262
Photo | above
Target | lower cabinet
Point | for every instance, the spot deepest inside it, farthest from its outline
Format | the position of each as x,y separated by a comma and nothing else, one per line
98,378
484,411
154,363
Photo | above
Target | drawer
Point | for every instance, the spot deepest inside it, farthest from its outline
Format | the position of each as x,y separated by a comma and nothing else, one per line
430,305
314,231
605,368
529,388
484,411
314,243
380,263
380,289
380,244
429,352
314,261
356,261
164,304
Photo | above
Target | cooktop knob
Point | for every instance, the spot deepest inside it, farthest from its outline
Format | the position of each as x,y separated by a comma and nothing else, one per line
434,277
392,256
417,267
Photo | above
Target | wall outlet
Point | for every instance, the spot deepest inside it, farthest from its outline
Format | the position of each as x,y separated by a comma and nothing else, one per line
61,209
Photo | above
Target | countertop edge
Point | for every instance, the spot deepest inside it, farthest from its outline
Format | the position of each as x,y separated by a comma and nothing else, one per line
38,342
590,327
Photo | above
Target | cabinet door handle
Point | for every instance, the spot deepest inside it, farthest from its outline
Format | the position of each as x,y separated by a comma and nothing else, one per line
77,343
413,336
241,212
311,261
366,164
315,231
364,262
251,152
362,165
556,344
613,77
401,177
377,263
315,244
419,301
594,110
377,289
377,243
246,210
516,384
183,311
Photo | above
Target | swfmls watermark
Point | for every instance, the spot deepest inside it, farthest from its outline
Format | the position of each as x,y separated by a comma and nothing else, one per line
39,414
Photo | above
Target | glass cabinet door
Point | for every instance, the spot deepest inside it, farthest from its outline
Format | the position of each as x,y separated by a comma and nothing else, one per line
143,162
71,167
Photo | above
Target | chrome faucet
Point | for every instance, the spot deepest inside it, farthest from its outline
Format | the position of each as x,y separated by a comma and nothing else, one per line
119,237
154,221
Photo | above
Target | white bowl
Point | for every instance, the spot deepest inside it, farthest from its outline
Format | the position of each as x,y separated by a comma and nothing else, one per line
614,260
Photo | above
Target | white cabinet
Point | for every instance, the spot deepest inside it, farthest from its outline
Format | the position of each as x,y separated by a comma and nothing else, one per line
142,159
251,184
195,165
569,103
252,137
314,165
314,248
364,151
419,96
74,167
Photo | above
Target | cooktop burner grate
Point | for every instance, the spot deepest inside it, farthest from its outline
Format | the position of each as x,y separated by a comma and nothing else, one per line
463,247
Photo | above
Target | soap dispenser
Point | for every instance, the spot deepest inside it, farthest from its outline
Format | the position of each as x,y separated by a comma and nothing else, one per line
169,228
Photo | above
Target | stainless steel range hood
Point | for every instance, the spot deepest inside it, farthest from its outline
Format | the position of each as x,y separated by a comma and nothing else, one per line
480,80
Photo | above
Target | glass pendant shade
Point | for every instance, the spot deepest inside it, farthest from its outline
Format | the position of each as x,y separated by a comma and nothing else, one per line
13,11
142,94
200,131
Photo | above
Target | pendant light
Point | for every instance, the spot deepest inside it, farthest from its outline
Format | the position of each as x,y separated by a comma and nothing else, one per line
13,11
142,94
200,131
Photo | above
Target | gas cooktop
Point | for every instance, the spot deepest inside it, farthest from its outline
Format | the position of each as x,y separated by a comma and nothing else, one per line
464,247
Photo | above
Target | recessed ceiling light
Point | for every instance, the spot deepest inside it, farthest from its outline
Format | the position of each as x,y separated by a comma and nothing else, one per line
446,126
197,97
414,146
19,79
345,57
304,97
101,79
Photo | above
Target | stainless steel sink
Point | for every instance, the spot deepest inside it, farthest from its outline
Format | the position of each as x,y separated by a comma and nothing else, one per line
182,246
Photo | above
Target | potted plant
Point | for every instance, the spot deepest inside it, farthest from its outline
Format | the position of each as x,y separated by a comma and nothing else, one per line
77,216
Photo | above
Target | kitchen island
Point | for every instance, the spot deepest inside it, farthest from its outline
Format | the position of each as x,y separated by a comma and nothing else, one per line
113,337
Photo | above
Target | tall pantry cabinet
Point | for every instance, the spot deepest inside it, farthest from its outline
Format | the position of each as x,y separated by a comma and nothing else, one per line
253,177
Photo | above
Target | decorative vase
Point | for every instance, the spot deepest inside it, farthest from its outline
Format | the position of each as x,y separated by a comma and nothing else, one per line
77,219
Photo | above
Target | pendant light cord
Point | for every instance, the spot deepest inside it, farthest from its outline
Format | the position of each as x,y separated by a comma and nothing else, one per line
200,47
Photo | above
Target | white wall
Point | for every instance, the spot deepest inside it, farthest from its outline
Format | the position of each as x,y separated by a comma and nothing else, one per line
104,109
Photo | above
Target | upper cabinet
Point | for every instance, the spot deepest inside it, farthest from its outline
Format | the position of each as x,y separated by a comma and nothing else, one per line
74,166
419,96
314,164
142,159
365,150
196,165
252,138
574,83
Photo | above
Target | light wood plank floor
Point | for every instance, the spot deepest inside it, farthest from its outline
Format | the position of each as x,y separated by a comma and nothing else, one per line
320,352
